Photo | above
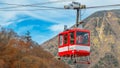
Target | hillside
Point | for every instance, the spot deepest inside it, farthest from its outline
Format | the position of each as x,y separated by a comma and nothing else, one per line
17,52
105,37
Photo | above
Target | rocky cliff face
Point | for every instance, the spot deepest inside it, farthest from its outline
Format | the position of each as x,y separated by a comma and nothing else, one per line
105,39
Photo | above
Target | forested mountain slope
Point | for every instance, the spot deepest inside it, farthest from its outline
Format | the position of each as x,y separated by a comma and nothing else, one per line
105,39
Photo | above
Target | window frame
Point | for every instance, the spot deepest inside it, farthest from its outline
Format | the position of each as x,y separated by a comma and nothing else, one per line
61,41
83,40
73,37
65,38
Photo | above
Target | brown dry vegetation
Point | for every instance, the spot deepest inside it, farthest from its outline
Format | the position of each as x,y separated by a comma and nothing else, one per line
15,52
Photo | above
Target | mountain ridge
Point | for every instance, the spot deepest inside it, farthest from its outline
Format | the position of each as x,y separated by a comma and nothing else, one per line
105,37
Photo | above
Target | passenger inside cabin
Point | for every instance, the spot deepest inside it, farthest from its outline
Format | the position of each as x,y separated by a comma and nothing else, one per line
82,38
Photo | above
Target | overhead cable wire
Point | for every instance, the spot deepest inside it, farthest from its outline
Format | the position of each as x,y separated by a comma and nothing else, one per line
43,3
30,9
32,5
17,6
92,7
52,8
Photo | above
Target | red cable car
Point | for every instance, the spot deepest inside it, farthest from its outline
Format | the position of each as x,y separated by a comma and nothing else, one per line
74,43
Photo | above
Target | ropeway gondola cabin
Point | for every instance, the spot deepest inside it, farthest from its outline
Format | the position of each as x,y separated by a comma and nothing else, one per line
74,42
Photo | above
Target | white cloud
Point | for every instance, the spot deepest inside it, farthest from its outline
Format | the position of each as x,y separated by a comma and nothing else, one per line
60,17
9,17
13,16
59,27
56,16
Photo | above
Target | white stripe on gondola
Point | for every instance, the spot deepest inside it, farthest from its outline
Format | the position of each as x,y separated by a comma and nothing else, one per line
74,47
62,49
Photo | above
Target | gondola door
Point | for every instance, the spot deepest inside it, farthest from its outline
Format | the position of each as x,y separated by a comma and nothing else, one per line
63,44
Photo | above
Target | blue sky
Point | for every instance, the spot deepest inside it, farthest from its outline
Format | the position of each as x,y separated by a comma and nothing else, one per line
38,28
45,24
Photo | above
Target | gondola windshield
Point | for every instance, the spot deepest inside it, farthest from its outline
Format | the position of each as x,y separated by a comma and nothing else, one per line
82,38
